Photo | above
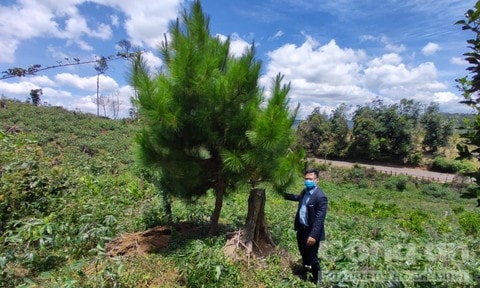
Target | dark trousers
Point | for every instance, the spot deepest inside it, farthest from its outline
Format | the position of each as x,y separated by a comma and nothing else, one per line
309,253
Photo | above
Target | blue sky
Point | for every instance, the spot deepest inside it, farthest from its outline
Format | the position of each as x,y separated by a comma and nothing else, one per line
331,51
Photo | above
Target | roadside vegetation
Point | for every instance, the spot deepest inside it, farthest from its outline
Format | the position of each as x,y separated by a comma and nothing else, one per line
407,133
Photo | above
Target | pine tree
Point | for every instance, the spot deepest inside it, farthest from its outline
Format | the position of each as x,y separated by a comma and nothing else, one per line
203,125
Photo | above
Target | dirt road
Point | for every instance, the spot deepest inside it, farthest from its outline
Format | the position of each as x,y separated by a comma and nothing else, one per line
414,172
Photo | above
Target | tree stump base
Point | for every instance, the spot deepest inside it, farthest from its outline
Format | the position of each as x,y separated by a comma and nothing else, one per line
238,248
254,240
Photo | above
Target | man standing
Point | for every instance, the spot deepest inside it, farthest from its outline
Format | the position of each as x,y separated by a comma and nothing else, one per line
309,222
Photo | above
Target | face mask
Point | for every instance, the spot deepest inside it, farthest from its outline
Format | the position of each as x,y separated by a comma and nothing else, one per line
309,184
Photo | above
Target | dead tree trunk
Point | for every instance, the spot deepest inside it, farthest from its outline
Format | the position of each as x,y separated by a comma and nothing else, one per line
256,235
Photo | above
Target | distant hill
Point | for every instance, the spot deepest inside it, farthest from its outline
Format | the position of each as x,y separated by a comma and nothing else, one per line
63,133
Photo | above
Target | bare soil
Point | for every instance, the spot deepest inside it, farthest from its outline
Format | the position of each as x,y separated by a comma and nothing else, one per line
153,240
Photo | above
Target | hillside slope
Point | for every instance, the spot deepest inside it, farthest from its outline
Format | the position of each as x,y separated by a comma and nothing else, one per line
70,189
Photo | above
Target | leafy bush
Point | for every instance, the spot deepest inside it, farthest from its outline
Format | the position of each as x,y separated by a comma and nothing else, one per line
355,208
320,166
28,182
444,165
361,176
414,159
470,223
415,221
458,210
398,183
153,214
384,210
204,265
437,190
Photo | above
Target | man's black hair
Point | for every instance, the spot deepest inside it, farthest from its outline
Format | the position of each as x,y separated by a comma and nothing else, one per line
311,170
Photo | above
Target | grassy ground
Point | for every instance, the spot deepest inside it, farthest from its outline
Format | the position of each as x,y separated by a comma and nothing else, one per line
62,204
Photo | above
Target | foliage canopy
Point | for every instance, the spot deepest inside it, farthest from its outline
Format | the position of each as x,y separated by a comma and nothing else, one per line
470,87
203,122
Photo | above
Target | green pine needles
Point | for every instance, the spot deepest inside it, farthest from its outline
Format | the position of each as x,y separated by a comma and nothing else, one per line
203,122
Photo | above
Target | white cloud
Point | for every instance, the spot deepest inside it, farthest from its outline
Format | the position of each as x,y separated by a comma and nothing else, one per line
458,61
8,47
430,49
238,46
146,26
320,76
445,97
395,82
154,63
114,20
328,75
31,26
386,59
389,46
87,104
387,75
21,89
41,81
17,90
367,38
328,63
76,26
143,26
278,35
395,48
87,83
49,93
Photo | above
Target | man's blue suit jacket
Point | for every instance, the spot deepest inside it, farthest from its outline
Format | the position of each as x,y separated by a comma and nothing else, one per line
316,212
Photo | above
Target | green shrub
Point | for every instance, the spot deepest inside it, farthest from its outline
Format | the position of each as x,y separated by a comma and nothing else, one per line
204,265
470,223
384,210
415,159
398,183
154,213
355,208
28,182
320,166
437,190
415,221
458,210
363,183
361,176
444,165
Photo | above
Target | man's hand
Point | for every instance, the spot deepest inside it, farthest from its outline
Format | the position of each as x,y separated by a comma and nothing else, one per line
311,241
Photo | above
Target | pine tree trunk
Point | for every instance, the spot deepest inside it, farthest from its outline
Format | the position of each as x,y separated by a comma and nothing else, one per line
166,200
167,206
256,232
219,192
